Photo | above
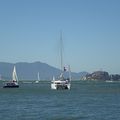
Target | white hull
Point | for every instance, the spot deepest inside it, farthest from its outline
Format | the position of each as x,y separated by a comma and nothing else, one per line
109,81
36,81
60,85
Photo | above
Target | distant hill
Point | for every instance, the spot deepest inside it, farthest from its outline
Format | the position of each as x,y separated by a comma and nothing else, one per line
28,71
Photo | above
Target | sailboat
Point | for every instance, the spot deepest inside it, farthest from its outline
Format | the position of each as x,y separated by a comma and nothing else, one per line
38,75
14,82
61,82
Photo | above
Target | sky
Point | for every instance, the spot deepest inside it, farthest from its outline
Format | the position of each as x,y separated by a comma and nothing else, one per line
30,31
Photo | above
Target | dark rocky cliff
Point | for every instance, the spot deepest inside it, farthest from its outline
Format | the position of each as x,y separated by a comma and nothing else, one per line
101,75
98,75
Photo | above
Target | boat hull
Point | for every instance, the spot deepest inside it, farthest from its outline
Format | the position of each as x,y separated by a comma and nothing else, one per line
11,85
15,86
60,86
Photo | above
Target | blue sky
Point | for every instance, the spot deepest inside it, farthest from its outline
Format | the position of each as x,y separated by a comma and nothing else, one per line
30,31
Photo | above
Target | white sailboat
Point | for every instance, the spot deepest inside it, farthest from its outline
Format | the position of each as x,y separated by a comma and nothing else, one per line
14,82
38,80
61,82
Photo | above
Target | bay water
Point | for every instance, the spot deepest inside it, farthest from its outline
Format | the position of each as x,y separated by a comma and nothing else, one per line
87,100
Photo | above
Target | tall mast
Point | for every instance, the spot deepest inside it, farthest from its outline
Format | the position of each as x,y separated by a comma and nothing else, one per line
61,50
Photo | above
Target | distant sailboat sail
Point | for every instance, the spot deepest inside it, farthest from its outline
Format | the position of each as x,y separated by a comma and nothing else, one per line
14,75
38,76
53,78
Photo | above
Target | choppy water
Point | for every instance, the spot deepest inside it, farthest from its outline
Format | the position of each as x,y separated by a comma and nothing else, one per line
85,101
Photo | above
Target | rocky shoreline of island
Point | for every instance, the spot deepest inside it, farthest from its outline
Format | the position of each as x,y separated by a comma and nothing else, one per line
102,75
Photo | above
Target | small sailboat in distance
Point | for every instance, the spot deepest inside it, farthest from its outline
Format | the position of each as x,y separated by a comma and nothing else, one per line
14,82
61,82
38,80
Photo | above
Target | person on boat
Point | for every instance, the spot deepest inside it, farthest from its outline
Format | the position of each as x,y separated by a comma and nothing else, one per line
13,81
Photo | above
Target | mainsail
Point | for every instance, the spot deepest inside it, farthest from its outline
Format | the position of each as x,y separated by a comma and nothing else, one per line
38,76
14,75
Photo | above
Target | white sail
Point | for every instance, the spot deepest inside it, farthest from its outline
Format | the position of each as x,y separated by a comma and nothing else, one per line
53,78
14,75
38,76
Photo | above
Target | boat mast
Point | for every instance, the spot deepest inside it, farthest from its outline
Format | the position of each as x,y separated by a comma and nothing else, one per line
69,72
61,50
